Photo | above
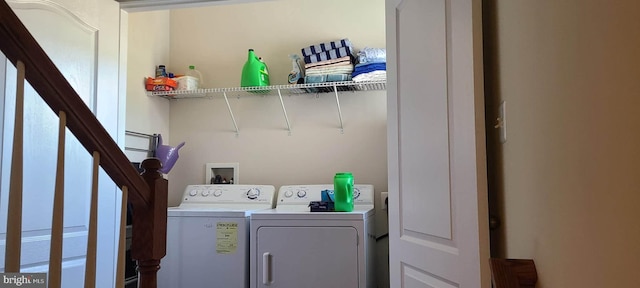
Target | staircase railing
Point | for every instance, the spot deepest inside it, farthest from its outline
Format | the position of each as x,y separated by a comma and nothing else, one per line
147,192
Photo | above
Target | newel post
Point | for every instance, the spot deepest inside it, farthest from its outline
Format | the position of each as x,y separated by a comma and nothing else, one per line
148,245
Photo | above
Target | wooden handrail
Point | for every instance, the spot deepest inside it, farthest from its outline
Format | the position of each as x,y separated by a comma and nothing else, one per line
18,44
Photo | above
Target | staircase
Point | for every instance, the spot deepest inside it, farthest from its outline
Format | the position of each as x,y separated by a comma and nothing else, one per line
146,192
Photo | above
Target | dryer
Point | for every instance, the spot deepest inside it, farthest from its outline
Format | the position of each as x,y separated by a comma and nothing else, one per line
208,236
293,247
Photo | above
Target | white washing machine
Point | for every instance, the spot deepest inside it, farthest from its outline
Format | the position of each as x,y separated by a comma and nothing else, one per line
292,247
208,236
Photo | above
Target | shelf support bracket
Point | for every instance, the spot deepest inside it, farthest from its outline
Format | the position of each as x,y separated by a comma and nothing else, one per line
284,110
235,124
335,90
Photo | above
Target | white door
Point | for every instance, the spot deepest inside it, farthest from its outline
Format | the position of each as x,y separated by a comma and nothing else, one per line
438,229
83,41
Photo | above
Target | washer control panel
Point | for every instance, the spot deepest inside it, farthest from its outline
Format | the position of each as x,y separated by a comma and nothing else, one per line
221,193
303,194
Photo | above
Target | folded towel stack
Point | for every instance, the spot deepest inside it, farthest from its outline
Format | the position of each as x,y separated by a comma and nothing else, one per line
371,66
328,62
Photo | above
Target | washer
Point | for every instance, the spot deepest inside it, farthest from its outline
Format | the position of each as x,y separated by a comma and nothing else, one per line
208,236
293,247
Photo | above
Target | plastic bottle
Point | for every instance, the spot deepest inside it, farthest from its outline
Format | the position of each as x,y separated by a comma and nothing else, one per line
197,75
343,192
161,71
254,72
296,70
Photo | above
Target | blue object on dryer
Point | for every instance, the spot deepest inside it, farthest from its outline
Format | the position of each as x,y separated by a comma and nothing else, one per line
327,195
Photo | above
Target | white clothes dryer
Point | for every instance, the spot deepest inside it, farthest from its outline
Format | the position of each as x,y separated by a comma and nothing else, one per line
208,236
293,247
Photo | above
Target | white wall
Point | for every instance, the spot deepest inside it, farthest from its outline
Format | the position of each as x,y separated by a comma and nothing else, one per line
567,179
148,46
216,39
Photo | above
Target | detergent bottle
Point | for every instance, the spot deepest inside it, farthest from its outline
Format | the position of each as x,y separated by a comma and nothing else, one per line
196,75
343,192
254,72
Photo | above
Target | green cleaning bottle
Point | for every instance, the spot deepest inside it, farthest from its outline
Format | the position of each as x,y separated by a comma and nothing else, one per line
254,72
343,192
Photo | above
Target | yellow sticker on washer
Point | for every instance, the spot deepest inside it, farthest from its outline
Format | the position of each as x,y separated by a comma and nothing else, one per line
226,237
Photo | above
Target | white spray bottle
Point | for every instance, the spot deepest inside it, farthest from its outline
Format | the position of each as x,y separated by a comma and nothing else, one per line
296,75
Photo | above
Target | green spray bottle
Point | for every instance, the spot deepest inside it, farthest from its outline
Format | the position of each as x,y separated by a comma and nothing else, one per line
254,72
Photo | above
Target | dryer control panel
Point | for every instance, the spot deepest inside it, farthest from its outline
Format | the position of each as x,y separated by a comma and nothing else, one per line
210,194
303,194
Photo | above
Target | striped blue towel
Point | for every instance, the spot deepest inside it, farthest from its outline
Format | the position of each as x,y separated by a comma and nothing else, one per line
323,47
328,55
366,68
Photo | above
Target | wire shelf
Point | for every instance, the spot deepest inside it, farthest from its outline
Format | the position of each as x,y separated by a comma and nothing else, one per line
279,90
293,89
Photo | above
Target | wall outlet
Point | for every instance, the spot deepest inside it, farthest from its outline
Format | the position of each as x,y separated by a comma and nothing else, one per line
384,201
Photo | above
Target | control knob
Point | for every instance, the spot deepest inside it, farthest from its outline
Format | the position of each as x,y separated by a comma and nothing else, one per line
253,193
288,194
301,193
356,193
217,193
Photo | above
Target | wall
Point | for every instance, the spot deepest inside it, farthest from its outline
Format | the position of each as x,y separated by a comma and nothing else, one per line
566,180
148,46
215,39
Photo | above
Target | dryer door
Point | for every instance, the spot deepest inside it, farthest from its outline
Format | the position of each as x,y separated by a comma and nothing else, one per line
307,257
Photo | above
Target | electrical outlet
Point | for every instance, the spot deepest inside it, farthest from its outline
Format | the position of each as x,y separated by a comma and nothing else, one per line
384,201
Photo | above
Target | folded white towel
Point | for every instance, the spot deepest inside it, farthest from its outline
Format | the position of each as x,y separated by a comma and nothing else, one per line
371,76
343,60
341,69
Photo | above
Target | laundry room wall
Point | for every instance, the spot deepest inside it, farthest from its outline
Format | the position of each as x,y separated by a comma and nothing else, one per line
148,46
216,39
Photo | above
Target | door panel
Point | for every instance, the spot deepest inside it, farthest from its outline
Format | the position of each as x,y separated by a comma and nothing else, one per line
413,277
424,62
437,175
